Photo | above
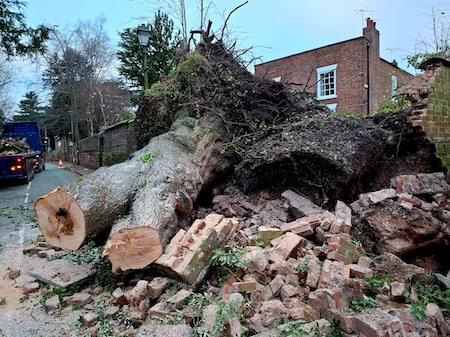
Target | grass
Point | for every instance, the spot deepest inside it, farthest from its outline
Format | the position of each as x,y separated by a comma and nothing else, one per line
224,312
104,276
88,254
104,327
312,329
378,281
228,258
40,238
359,306
62,293
429,293
302,268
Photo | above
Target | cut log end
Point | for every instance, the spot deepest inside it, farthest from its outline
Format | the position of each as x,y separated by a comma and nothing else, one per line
61,220
133,248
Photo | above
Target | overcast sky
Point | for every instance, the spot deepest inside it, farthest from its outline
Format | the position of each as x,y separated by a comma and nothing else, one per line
275,28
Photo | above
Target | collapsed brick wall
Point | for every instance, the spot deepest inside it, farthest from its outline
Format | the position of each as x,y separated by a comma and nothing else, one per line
430,96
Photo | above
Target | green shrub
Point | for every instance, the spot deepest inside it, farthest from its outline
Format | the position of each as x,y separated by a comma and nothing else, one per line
429,293
229,258
126,116
111,158
394,104
359,306
378,281
192,67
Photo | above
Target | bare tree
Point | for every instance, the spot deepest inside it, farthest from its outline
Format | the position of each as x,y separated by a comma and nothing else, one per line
177,10
80,60
439,43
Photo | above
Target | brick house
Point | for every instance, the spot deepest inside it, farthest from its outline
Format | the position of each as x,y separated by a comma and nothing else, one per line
348,76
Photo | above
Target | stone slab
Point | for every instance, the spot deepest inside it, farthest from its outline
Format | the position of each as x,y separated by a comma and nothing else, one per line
62,273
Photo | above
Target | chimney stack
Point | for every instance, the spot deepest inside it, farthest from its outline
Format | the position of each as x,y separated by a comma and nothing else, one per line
371,33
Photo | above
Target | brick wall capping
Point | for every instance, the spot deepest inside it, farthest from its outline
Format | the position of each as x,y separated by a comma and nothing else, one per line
434,61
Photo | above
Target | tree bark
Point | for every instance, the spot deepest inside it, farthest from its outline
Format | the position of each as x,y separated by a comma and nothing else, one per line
184,162
71,216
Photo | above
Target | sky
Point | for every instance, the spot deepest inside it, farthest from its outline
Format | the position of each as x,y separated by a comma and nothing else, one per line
274,28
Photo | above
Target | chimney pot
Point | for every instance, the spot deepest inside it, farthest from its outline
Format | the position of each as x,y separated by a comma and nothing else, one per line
370,24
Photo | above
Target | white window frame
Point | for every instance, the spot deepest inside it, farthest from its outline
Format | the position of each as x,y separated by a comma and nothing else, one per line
332,107
324,70
394,85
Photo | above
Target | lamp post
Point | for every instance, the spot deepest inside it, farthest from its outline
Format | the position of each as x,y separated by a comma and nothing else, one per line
143,34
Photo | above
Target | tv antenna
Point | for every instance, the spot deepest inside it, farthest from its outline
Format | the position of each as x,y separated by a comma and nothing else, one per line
363,12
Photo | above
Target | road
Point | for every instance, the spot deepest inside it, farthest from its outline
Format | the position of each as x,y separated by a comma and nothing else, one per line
18,227
16,203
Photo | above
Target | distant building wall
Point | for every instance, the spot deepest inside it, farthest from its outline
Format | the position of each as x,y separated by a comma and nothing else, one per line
382,86
300,70
113,145
89,152
363,81
119,143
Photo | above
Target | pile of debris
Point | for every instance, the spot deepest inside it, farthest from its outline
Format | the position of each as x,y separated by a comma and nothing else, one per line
12,146
271,265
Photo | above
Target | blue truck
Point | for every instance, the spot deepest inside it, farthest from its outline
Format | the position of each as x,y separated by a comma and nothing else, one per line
22,166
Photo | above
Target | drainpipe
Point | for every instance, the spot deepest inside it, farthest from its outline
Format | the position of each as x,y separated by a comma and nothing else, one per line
368,79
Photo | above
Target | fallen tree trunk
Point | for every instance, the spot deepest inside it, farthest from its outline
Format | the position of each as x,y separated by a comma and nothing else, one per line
184,162
71,216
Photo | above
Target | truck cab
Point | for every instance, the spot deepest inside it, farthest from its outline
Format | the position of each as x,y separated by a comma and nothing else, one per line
22,166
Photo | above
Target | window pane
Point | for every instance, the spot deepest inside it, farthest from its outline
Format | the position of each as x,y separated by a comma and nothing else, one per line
327,82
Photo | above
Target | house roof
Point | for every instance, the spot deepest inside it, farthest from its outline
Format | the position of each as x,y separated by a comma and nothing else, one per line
396,66
331,45
311,50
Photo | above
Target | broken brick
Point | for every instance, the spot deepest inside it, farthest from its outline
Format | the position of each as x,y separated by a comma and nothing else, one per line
79,299
288,291
424,183
381,195
188,252
377,323
284,246
31,287
314,270
276,284
397,289
359,271
157,286
179,298
332,274
365,261
119,297
89,319
243,287
300,226
406,205
343,215
267,234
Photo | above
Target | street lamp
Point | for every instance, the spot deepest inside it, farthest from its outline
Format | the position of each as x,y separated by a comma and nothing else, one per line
143,34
